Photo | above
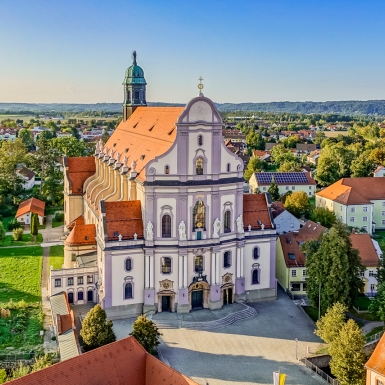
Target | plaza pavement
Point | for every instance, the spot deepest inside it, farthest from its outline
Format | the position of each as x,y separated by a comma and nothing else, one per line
247,352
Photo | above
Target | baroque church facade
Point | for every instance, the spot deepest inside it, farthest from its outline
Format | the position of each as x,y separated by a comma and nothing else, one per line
158,220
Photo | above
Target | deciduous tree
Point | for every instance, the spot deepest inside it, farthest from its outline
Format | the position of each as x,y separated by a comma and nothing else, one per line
255,141
274,191
324,216
255,165
2,232
348,358
146,333
298,203
96,330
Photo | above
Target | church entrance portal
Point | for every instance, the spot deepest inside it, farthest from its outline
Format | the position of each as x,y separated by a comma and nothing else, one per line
197,299
228,296
166,303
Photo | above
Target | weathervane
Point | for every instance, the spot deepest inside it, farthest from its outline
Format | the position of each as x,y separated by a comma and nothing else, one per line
200,86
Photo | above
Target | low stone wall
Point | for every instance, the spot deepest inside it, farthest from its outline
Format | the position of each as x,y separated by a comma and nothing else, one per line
321,361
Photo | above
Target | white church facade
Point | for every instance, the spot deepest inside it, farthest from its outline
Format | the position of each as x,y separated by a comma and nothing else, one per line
159,217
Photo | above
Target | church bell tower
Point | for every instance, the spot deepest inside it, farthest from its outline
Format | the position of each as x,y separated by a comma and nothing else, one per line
134,86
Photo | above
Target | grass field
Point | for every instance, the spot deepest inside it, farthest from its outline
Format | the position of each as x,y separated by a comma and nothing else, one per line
56,256
334,134
27,239
362,303
312,312
56,224
20,273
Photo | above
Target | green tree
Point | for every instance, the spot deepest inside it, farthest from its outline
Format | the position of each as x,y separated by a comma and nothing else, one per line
348,358
146,333
3,376
330,325
255,141
290,166
19,371
2,232
96,330
324,216
281,155
34,227
42,362
327,171
255,165
333,263
274,191
377,306
69,146
298,203
362,166
26,137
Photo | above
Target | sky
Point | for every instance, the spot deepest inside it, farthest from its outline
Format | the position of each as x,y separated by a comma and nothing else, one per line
77,51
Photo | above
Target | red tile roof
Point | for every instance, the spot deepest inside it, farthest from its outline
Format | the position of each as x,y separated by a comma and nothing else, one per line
79,169
31,205
81,235
354,191
78,221
277,208
368,254
255,209
149,132
377,359
291,242
125,218
26,172
123,362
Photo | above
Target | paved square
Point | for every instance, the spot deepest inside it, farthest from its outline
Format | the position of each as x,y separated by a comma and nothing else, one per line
248,351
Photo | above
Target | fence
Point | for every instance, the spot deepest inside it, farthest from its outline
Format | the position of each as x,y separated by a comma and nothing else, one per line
320,372
374,337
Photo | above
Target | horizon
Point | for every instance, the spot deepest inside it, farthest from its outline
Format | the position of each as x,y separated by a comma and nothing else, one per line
263,52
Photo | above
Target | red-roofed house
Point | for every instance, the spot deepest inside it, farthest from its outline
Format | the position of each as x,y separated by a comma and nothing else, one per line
375,367
26,208
164,199
122,362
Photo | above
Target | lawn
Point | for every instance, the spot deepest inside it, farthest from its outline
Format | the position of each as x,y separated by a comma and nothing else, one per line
53,209
362,303
56,224
56,256
20,274
27,239
312,312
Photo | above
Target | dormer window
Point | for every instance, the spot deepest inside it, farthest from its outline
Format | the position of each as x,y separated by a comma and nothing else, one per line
199,166
200,140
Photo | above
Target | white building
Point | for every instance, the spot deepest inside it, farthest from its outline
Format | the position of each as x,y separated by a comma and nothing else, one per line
284,221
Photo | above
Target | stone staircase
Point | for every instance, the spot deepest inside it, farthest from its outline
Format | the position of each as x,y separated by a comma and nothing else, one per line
230,319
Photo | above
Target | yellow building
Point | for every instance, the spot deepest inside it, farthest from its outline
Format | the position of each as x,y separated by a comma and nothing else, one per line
375,367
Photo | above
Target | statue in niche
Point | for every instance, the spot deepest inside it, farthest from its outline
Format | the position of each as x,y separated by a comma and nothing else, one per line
149,232
240,227
217,228
182,231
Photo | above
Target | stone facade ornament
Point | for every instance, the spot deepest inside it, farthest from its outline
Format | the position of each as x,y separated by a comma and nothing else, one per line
133,165
105,150
117,157
262,226
149,232
112,152
249,227
120,237
100,145
135,237
217,228
182,231
240,227
166,284
125,160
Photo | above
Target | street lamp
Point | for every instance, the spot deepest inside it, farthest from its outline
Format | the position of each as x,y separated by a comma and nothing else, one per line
319,301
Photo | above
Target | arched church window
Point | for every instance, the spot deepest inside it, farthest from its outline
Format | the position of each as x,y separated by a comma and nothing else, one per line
128,264
128,290
256,252
199,166
255,277
228,167
166,226
167,170
227,222
200,140
199,215
227,259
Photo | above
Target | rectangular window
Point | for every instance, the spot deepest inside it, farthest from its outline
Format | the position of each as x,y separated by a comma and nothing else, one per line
340,208
198,263
292,188
371,273
166,265
309,187
57,282
293,273
372,287
295,287
80,280
362,273
90,279
353,209
365,227
383,222
341,217
383,213
383,204
70,281
287,188
264,189
227,259
352,219
304,273
292,225
365,209
365,219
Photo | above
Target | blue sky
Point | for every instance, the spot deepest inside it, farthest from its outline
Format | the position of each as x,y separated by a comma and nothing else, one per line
246,50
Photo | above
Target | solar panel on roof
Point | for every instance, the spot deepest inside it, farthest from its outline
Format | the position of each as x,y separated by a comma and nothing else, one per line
282,178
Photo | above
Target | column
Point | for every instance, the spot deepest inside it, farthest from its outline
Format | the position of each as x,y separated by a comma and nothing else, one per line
151,271
180,270
217,268
147,271
241,271
185,267
238,268
213,256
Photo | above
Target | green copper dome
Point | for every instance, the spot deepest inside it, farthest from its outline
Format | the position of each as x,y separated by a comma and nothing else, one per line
134,73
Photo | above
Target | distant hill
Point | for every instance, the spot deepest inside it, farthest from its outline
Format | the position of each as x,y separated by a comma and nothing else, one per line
351,107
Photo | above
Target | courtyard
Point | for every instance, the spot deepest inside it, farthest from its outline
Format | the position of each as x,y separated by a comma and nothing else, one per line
247,352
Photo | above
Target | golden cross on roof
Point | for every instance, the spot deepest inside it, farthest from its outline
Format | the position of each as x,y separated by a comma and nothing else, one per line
200,85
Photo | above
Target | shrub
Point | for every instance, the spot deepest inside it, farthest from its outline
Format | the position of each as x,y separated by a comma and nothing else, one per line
5,313
22,304
59,217
17,234
13,224
3,376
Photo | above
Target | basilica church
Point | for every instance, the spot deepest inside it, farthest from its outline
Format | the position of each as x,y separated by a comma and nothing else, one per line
157,218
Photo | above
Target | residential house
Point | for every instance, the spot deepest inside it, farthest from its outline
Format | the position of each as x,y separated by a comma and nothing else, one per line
269,146
305,148
313,157
284,221
290,261
370,253
357,202
26,208
286,181
235,136
379,171
262,155
27,176
8,133
121,362
375,367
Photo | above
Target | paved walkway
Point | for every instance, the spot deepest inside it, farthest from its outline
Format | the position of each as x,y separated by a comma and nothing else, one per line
367,328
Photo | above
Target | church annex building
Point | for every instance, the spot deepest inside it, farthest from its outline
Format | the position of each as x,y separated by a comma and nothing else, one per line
158,219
